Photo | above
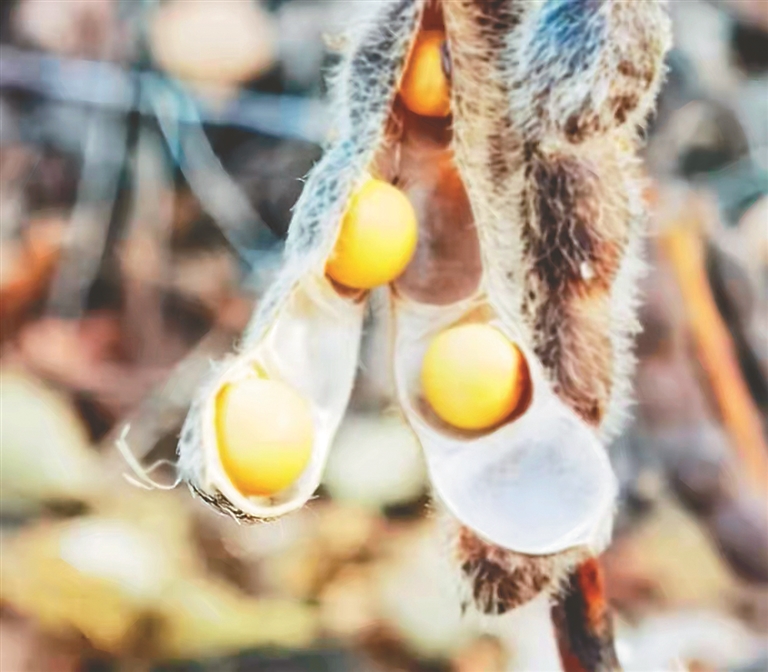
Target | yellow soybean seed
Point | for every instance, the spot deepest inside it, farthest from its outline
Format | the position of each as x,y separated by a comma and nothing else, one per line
377,238
473,376
265,435
425,89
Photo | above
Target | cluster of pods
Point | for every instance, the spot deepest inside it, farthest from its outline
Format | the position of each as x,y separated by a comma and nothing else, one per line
482,187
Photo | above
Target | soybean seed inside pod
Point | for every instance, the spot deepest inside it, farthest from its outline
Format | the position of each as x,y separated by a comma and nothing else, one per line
377,238
265,435
425,89
473,376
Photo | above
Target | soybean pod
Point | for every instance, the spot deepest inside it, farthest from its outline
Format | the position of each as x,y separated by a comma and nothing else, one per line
482,182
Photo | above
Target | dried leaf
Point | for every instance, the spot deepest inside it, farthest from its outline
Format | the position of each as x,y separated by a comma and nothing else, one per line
46,454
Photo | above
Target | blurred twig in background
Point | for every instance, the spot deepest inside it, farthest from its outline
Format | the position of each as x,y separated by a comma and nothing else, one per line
682,243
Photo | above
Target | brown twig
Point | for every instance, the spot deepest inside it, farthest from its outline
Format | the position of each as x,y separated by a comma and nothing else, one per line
582,622
683,246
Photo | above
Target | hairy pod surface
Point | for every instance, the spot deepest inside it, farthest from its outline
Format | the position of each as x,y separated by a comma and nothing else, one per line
529,209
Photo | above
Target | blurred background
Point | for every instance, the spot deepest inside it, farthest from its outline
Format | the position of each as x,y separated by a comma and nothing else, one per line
150,155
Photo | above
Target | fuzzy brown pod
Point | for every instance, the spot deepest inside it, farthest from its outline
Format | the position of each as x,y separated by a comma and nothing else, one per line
528,197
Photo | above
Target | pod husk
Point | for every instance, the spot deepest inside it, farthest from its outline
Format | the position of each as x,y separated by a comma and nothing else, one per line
365,88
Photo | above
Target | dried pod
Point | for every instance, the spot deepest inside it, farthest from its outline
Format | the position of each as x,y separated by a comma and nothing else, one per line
528,201
306,331
311,345
542,462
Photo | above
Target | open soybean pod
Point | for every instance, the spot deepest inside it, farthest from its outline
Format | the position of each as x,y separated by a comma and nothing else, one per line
511,126
548,101
306,331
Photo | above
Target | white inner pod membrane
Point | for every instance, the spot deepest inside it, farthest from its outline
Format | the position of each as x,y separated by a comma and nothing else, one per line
539,483
312,346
